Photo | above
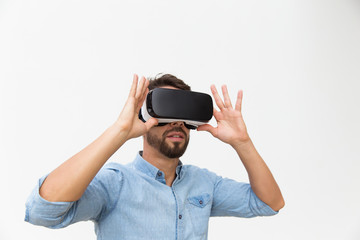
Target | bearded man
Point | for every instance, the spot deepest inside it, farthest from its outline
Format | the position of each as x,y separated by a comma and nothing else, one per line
156,196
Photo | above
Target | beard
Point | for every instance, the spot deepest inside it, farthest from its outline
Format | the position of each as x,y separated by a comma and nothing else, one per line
165,148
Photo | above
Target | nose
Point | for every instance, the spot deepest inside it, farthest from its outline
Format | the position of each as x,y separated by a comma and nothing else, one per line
177,124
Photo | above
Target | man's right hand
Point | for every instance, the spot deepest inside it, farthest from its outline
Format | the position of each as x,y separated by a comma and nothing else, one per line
128,120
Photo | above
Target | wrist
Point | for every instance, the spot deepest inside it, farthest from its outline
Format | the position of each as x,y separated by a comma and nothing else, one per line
241,144
120,130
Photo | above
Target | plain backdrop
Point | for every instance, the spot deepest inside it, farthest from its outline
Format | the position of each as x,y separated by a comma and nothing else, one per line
66,69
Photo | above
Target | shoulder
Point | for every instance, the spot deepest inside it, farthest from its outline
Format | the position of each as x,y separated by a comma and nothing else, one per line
113,166
111,171
201,173
195,169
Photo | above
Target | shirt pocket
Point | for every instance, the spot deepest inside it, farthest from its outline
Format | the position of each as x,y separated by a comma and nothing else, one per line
199,208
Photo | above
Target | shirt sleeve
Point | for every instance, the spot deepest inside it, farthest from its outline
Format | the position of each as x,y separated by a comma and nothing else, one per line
99,198
237,199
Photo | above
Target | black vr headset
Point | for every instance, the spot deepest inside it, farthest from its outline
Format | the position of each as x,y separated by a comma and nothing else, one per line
170,105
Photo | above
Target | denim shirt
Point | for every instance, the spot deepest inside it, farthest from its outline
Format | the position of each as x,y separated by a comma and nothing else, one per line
133,202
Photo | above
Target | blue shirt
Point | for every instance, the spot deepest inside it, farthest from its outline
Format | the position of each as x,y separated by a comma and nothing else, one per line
133,202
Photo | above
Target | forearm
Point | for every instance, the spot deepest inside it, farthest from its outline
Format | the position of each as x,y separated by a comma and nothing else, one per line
69,181
261,179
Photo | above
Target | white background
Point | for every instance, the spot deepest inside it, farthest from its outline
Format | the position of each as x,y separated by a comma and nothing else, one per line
66,68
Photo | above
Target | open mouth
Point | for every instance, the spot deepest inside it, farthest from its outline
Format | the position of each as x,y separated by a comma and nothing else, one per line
176,136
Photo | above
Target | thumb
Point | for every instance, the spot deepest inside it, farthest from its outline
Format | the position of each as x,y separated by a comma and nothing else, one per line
150,123
208,128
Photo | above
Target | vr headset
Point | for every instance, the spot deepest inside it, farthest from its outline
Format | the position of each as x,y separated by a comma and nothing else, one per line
170,105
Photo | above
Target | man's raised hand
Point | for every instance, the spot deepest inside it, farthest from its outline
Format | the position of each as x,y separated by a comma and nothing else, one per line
128,120
230,127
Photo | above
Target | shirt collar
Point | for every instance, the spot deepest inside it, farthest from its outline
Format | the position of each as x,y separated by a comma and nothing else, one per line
148,169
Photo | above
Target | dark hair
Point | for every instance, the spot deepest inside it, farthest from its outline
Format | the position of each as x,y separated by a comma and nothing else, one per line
162,80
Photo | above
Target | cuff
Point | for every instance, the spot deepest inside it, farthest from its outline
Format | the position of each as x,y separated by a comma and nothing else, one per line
41,212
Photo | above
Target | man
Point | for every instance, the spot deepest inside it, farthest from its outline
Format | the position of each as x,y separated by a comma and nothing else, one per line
156,196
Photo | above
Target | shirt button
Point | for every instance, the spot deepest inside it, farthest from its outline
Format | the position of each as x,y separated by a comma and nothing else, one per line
201,202
159,174
180,216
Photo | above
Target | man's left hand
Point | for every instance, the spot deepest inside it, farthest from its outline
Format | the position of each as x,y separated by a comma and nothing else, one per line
230,127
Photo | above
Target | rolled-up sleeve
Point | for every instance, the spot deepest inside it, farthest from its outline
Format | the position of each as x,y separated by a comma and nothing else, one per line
232,198
99,198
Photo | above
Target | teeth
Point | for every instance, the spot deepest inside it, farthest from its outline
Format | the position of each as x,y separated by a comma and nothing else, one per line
177,136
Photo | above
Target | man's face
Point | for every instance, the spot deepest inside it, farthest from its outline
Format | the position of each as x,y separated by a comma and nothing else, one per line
170,140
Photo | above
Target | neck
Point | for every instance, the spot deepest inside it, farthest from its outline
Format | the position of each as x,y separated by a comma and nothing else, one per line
163,163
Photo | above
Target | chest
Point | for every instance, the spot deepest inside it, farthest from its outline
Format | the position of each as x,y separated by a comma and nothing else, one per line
151,208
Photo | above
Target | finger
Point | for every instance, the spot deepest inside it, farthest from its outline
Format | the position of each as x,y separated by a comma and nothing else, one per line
216,114
144,96
207,128
225,93
133,86
144,91
239,100
217,98
146,85
215,111
140,88
141,101
151,123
